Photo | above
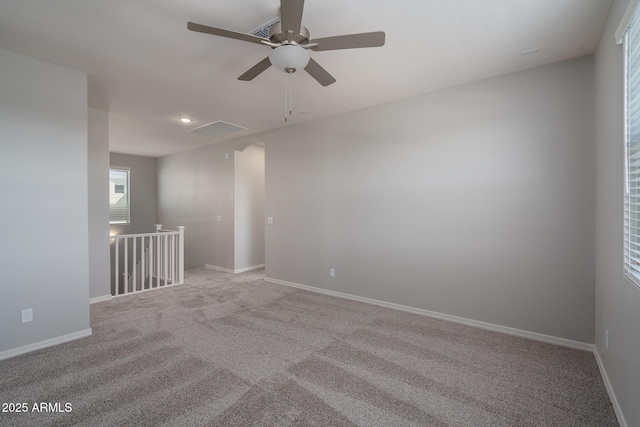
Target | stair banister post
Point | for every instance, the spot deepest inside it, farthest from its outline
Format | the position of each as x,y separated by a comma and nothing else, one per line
181,254
116,271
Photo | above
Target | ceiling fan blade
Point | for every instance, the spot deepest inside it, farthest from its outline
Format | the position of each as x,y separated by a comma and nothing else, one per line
291,15
254,71
349,41
224,33
319,73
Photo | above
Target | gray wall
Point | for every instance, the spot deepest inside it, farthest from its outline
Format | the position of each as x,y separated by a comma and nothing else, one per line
249,219
476,201
44,260
617,300
193,188
142,193
98,158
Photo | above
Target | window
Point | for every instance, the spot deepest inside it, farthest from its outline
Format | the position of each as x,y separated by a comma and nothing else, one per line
119,206
631,39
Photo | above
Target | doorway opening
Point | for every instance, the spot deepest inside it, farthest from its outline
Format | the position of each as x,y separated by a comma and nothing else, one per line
249,208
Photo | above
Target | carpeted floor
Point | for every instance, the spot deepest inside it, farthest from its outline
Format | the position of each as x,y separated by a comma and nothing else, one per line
234,350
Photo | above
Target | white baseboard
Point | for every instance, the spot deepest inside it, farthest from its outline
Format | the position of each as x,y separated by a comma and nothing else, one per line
245,269
612,395
215,267
100,299
159,288
469,322
44,344
227,270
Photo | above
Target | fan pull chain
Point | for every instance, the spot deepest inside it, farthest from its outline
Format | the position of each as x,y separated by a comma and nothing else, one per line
288,96
290,93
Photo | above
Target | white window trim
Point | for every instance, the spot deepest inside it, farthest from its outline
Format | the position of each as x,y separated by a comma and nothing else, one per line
127,193
626,19
631,269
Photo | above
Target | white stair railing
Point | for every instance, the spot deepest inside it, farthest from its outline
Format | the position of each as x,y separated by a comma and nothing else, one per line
149,260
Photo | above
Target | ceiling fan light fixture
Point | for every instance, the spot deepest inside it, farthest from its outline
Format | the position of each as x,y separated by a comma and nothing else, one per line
289,58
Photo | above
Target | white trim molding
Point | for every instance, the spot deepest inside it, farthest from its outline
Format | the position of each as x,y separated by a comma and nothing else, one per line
227,270
160,288
251,268
215,267
44,344
462,320
94,300
612,394
626,19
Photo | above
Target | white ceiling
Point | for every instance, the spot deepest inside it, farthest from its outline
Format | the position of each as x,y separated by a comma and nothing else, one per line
148,70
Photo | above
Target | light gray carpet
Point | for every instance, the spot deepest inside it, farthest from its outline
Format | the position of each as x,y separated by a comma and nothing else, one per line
234,350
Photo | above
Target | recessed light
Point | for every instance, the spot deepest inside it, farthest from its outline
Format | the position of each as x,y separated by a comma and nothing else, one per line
185,120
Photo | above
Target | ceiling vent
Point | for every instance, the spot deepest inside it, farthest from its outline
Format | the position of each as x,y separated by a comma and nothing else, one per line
263,30
217,128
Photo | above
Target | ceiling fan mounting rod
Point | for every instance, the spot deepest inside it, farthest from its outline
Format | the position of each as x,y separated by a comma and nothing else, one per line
277,35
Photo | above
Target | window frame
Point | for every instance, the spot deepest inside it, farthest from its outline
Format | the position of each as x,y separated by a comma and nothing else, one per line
631,211
127,194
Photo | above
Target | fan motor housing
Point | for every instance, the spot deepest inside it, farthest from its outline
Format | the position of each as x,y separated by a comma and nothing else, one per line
276,35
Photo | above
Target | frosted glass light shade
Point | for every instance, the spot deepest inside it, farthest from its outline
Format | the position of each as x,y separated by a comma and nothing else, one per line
289,57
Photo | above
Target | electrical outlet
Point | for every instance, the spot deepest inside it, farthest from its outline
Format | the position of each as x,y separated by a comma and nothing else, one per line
27,315
606,338
219,218
332,272
270,220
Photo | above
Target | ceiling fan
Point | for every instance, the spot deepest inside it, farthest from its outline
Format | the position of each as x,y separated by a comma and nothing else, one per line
290,42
